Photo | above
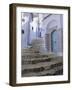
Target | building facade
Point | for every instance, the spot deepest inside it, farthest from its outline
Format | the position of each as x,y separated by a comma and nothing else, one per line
42,31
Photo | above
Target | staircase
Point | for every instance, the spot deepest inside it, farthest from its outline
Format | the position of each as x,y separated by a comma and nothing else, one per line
35,63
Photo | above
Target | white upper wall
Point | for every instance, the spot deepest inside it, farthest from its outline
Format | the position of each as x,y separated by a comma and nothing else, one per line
51,21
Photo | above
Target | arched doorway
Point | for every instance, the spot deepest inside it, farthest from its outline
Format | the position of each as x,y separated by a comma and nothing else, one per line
50,35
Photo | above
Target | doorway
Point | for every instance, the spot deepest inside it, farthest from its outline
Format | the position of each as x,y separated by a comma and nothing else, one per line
54,41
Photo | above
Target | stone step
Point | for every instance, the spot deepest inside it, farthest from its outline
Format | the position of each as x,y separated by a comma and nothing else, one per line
34,55
42,68
45,72
39,60
41,64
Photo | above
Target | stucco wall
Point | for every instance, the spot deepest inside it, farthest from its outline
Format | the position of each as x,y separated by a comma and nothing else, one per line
46,26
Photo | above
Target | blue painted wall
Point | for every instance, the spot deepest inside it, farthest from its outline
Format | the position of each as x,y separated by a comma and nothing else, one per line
33,29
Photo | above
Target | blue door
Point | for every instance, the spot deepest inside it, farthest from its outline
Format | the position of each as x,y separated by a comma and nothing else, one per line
54,41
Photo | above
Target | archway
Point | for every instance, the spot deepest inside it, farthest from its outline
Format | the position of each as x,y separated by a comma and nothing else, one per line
51,25
50,33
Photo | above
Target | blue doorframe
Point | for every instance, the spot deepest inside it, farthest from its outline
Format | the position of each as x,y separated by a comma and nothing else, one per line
54,41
